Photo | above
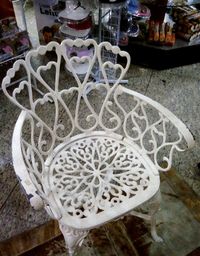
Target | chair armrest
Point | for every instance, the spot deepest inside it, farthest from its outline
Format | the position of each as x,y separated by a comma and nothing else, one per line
164,116
20,166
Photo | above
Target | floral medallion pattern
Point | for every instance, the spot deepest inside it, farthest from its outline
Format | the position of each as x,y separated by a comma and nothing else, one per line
96,173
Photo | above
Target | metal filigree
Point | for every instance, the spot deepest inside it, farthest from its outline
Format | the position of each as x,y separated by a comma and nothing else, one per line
95,173
152,130
87,154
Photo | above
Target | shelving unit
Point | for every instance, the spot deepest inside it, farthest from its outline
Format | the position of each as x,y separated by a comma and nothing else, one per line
109,30
158,57
18,7
22,28
162,57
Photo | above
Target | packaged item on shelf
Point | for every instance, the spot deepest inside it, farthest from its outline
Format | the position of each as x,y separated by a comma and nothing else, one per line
151,31
76,19
8,27
182,13
189,37
22,42
14,41
46,13
50,33
74,11
133,29
169,34
67,32
143,29
162,33
6,49
188,22
134,22
156,32
123,39
177,2
157,8
59,19
138,10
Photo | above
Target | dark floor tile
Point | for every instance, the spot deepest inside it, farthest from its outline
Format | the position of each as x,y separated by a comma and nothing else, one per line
185,193
17,215
100,243
135,227
56,247
120,241
8,117
5,152
196,252
8,181
26,241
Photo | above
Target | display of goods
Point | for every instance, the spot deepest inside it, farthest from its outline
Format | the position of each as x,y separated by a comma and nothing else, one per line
69,19
161,33
187,21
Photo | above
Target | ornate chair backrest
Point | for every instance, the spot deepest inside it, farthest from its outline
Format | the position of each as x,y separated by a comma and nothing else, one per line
54,117
49,119
54,95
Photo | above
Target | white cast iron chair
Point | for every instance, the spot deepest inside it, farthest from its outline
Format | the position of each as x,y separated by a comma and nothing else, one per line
94,158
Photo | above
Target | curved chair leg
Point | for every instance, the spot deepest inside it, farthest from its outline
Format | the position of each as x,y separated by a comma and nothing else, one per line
153,205
73,237
154,208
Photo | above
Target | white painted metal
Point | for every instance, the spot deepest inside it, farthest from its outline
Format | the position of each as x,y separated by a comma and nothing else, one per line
99,169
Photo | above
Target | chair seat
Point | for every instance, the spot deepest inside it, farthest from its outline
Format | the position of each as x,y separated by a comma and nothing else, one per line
98,177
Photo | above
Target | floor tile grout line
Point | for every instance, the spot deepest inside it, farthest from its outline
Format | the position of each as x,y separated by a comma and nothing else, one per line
6,140
148,84
191,196
110,240
129,240
5,201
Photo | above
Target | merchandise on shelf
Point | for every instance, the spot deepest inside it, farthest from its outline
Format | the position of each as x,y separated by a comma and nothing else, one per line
138,19
76,19
138,10
178,2
13,42
59,19
154,29
187,20
157,8
6,50
21,42
161,33
8,27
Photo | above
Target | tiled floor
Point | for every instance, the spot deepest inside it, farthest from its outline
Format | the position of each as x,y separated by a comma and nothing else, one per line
130,236
178,222
178,89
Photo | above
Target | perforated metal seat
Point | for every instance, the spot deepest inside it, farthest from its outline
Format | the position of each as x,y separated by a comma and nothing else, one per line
91,158
98,177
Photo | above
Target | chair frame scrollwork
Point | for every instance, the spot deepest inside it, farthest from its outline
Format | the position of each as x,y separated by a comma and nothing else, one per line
87,175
